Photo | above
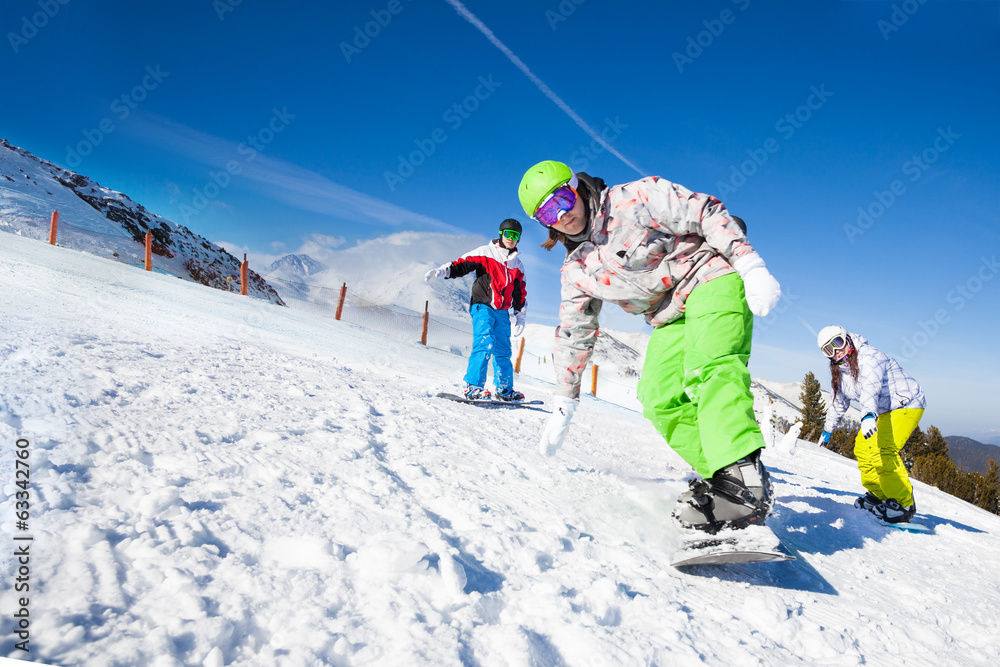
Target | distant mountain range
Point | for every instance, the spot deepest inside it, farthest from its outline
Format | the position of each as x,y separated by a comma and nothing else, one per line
387,271
971,455
101,221
297,265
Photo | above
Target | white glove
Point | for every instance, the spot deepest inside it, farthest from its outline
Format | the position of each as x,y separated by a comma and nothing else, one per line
518,329
442,271
869,425
555,430
762,290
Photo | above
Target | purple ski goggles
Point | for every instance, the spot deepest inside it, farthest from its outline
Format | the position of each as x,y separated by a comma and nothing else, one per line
552,207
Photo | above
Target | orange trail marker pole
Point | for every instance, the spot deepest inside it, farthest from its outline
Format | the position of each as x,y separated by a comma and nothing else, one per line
53,227
340,303
149,251
243,275
423,329
520,353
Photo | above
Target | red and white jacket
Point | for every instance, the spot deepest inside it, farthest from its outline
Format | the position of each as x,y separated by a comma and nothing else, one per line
499,276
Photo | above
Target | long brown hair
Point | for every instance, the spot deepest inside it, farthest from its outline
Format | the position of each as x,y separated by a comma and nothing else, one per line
554,238
852,364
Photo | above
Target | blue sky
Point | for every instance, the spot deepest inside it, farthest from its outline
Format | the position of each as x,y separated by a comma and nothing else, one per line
858,139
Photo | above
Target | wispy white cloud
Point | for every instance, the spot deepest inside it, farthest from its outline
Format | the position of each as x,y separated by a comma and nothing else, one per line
548,92
277,179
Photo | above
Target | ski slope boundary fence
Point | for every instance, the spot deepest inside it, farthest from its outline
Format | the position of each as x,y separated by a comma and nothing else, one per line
447,335
120,247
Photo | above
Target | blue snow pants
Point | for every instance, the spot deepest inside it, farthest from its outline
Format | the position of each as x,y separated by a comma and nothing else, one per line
490,337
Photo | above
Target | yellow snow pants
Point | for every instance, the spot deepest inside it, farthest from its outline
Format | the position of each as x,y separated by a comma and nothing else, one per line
695,385
882,469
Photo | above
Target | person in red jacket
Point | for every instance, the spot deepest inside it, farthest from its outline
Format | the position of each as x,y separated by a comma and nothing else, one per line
499,287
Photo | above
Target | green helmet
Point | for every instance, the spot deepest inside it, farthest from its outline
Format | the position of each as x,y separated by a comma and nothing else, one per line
539,182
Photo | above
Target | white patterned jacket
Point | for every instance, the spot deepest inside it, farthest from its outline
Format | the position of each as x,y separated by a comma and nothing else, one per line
651,243
882,385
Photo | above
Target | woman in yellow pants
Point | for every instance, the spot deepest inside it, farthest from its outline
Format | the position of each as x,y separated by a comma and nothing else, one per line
893,403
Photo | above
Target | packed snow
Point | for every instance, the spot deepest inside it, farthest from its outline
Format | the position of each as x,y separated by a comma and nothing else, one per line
215,480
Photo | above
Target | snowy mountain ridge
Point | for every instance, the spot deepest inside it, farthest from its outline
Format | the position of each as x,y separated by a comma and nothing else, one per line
301,265
108,223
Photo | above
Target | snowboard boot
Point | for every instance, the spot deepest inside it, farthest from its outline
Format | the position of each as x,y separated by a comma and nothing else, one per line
474,393
867,502
510,395
736,496
891,511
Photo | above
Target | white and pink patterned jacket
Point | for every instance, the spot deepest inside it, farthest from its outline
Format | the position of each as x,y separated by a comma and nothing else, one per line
651,243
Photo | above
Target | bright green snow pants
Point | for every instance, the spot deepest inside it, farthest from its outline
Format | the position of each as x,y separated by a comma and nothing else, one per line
695,384
882,470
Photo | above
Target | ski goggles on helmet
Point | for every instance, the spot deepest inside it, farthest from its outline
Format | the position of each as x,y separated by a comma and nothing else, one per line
561,200
834,345
511,234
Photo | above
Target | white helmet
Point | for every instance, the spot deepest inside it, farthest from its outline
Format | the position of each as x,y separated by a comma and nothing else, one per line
831,339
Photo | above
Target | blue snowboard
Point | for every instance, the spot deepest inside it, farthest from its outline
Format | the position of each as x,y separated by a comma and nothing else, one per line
908,527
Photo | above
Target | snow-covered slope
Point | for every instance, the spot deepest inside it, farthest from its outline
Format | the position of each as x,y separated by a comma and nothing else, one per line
104,222
215,480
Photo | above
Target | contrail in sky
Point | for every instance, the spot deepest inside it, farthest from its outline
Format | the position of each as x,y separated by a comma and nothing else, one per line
471,18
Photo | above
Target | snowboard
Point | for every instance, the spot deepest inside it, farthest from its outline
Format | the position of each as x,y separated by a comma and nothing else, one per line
491,403
906,527
754,544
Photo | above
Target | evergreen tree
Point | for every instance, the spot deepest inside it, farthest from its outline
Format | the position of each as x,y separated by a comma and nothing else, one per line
935,443
937,470
914,443
842,440
989,493
813,409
